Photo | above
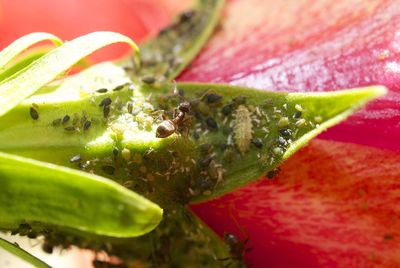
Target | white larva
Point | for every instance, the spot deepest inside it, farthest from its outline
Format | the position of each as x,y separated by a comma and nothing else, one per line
242,129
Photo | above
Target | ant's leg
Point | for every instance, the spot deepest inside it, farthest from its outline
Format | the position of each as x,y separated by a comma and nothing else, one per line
224,259
228,265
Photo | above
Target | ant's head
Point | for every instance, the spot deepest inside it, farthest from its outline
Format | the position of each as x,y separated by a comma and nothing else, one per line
185,107
230,239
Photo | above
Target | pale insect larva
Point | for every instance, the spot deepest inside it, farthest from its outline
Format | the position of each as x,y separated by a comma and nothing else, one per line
242,129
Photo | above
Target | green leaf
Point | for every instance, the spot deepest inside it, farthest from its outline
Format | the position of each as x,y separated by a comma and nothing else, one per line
21,44
19,252
279,124
272,126
167,54
43,194
44,70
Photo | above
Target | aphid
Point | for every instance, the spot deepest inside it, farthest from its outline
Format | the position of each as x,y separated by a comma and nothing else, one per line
227,109
148,79
283,122
168,127
282,141
130,107
186,16
211,123
31,234
102,90
239,100
119,87
47,247
278,151
126,154
205,162
105,102
106,111
70,128
115,152
213,98
206,148
87,125
34,113
75,158
257,142
297,114
242,129
56,122
108,169
285,132
65,119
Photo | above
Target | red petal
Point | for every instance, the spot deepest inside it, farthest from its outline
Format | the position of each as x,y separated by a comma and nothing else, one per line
313,46
333,205
70,18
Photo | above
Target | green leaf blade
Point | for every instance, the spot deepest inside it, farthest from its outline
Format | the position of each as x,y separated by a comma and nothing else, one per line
38,192
44,70
22,254
273,125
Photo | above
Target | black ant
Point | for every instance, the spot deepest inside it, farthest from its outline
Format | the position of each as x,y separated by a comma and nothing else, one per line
169,126
237,249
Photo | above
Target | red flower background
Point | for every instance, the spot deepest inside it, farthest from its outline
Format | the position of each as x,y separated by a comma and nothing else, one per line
336,202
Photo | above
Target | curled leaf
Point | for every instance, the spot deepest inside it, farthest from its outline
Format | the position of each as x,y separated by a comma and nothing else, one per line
44,70
21,44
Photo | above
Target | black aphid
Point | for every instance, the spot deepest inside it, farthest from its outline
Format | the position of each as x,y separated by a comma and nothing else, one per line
285,132
32,234
75,158
282,141
65,119
130,107
206,148
115,152
102,90
106,111
186,16
56,122
205,162
257,142
148,79
205,184
239,100
108,169
47,247
213,98
228,109
105,102
87,125
34,113
211,123
297,115
119,87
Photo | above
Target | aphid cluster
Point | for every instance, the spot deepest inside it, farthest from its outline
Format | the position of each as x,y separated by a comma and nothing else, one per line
75,122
